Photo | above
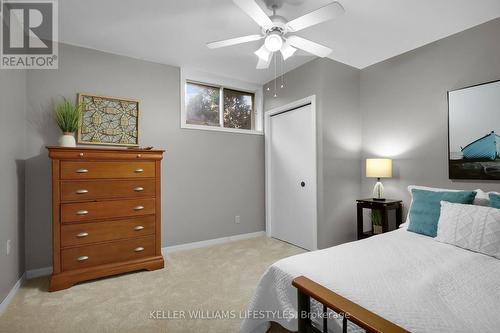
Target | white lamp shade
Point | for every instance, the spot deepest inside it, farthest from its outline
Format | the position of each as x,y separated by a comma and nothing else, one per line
263,53
378,168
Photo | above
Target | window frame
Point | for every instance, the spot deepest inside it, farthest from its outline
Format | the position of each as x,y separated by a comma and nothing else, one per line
212,80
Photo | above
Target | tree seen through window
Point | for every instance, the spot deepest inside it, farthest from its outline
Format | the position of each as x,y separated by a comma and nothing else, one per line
203,107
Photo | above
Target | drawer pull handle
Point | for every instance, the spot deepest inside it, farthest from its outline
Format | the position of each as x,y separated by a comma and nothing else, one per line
82,234
138,207
82,191
139,249
82,258
139,189
139,228
82,212
139,170
82,171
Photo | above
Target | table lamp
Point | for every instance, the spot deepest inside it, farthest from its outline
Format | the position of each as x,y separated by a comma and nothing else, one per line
378,168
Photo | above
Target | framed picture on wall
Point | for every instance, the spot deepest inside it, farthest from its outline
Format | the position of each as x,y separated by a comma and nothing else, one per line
473,132
108,121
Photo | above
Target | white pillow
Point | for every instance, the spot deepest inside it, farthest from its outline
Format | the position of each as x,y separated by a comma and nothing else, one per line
482,198
471,227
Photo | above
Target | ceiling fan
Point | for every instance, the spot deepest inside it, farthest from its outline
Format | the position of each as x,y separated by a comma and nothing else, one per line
275,30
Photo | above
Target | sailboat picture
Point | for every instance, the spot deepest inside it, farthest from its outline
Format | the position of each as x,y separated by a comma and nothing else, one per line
474,128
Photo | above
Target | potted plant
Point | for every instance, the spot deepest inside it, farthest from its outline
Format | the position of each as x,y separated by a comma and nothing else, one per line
67,117
377,221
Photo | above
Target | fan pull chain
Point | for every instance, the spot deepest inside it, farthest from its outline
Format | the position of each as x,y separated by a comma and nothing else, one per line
275,77
282,71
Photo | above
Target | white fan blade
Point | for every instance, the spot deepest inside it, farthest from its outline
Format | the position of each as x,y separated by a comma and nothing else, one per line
263,64
234,41
252,9
308,46
318,16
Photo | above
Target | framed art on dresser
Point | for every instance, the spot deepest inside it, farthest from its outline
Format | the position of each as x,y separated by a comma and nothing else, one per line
108,121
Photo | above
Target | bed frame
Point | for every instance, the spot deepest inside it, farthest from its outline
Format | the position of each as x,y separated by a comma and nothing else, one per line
369,321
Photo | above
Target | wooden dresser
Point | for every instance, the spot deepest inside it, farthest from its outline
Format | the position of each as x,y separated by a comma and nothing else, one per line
106,213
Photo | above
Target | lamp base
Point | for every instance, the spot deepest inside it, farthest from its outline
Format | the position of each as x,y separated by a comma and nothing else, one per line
378,191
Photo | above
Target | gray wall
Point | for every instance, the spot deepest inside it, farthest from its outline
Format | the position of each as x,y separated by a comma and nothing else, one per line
404,105
12,139
208,177
336,87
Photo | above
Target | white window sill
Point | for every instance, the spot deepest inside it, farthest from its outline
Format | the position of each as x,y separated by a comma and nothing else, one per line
221,129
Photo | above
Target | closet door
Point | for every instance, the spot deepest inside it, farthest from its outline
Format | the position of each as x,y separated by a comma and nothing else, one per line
292,176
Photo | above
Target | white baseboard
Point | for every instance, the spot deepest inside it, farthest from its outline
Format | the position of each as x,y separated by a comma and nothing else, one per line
37,272
11,294
196,245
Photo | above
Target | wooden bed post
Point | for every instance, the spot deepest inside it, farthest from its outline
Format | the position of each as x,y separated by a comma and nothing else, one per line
304,311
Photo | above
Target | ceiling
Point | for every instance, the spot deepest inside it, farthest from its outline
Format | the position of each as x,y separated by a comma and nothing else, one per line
174,32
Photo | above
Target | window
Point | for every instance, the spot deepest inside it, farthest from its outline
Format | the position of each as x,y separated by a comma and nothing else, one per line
238,109
202,104
210,103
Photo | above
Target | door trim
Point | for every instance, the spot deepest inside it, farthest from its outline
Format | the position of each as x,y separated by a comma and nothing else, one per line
267,131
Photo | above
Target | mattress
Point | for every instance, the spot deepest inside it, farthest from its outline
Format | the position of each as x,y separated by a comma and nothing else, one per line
411,280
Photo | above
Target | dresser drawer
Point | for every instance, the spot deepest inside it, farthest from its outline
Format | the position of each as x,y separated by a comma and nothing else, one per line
92,232
95,210
99,170
61,153
106,189
93,255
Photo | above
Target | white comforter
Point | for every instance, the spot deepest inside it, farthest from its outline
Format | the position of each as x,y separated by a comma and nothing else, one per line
412,280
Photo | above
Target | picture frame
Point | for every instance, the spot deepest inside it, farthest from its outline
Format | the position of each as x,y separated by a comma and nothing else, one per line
474,132
108,120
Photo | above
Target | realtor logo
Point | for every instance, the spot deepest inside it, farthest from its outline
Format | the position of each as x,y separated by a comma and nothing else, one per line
29,34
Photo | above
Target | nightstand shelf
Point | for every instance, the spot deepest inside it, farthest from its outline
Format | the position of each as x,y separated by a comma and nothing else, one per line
383,207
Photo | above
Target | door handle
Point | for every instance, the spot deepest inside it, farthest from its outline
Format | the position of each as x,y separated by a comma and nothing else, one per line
303,184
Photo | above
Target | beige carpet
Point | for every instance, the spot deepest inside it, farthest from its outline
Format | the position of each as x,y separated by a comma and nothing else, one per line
217,278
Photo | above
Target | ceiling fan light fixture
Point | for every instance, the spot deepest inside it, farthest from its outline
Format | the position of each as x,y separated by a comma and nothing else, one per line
273,42
263,53
287,51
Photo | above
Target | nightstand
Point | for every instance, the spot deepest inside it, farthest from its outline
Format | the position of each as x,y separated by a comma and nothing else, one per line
383,206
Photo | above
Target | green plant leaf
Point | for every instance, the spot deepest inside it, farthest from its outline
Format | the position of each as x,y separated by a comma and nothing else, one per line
67,116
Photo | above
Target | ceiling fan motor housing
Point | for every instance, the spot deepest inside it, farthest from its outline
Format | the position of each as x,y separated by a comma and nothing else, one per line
279,25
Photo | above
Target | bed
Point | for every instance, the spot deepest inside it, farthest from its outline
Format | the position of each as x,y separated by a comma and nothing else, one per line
409,279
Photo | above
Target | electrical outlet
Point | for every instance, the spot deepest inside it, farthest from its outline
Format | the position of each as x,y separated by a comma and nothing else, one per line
237,219
7,246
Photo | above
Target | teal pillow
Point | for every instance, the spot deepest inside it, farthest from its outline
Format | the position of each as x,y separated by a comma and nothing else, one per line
495,200
426,208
